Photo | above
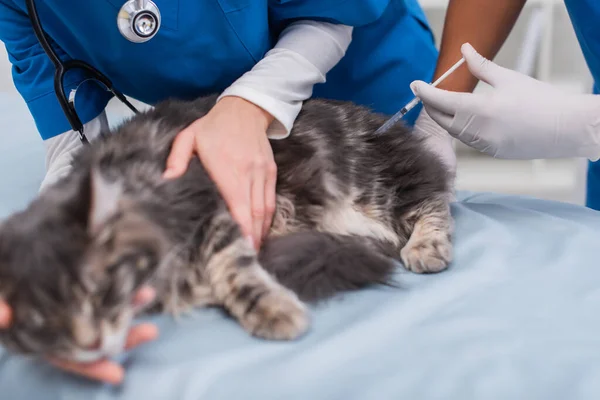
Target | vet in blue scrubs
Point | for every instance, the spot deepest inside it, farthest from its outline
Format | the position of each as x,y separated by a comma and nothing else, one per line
585,16
204,46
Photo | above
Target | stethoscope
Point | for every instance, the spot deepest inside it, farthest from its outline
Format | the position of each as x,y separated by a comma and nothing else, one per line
138,21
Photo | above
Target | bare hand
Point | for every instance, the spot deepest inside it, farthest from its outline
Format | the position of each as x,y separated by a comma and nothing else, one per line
104,370
232,143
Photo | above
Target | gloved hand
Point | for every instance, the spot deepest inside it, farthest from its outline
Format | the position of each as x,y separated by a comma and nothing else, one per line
522,118
437,139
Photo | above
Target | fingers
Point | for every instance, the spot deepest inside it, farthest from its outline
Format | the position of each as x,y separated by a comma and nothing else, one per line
258,204
442,119
270,198
482,68
180,155
104,371
141,334
238,201
461,127
443,100
144,296
5,315
253,208
263,199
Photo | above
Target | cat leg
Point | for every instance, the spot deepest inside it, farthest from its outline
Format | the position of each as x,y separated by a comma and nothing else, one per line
429,248
263,307
188,295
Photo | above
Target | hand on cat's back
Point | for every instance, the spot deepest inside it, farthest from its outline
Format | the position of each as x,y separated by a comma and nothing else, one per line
232,143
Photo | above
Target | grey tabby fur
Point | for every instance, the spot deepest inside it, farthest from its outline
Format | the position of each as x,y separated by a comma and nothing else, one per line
348,202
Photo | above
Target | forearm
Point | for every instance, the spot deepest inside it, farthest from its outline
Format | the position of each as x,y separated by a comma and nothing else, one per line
485,24
285,77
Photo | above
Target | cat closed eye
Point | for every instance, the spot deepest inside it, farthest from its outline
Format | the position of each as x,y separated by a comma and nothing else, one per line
139,262
142,263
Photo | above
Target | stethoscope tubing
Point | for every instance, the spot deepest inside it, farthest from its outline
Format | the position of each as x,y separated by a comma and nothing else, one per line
61,69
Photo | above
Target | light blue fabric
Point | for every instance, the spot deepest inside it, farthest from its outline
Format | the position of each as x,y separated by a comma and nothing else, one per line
515,317
21,155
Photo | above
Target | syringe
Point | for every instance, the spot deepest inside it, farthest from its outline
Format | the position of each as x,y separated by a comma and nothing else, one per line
411,104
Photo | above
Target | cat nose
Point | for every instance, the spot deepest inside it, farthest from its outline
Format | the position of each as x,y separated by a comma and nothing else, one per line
85,333
96,345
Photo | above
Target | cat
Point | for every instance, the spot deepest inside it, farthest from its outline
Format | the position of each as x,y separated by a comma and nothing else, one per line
349,205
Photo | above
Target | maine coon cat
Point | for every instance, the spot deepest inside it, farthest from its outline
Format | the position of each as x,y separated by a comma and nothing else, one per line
348,203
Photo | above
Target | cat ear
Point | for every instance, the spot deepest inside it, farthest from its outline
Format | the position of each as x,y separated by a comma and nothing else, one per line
104,200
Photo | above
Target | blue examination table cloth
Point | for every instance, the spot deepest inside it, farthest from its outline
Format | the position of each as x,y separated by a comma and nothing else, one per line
516,316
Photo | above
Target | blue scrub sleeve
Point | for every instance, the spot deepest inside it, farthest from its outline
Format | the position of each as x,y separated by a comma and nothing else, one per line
33,75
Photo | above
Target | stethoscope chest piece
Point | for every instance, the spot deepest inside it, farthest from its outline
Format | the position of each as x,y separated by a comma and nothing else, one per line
139,20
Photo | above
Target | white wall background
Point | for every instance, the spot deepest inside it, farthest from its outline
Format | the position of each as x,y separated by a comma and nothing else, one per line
558,59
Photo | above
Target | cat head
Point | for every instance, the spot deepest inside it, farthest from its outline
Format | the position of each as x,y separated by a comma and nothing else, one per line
70,265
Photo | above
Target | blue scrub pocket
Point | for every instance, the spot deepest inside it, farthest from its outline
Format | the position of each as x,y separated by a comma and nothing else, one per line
249,20
229,6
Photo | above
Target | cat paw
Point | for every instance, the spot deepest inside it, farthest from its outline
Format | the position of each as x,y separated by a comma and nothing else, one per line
278,315
427,255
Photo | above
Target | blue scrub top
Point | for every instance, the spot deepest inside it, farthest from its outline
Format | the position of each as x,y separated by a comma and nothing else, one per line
204,46
585,16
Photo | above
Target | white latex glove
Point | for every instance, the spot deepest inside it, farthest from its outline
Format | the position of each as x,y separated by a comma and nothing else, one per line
437,139
522,118
440,142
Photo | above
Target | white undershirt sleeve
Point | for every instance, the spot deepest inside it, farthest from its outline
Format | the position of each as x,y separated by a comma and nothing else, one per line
61,148
305,52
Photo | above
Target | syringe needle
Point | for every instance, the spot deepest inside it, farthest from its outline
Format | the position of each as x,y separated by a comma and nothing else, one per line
411,104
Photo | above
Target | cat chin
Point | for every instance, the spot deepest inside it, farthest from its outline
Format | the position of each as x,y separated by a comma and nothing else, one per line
113,345
86,356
